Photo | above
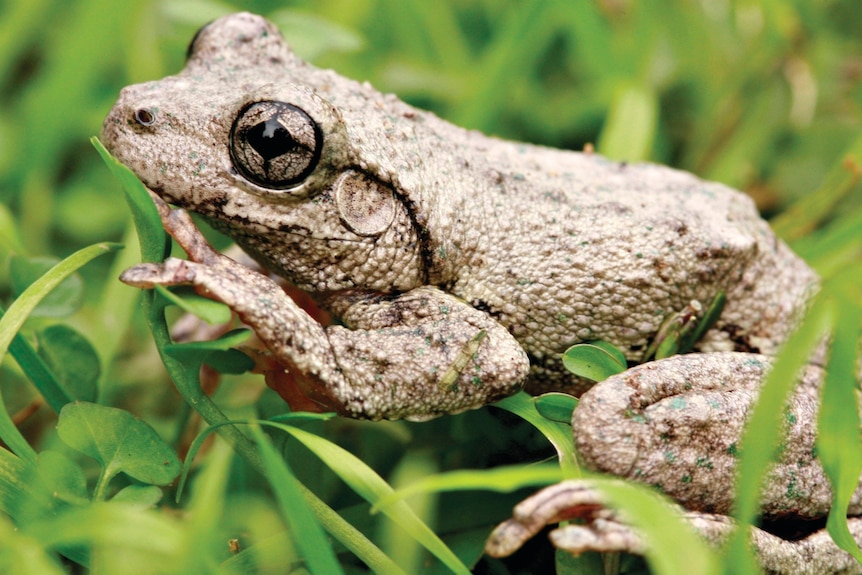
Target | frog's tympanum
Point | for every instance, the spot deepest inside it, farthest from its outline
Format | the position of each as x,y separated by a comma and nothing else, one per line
460,267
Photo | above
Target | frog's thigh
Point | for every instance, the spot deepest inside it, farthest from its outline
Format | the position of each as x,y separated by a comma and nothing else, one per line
421,354
677,423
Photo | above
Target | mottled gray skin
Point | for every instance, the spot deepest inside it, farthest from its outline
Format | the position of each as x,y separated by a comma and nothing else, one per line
460,265
555,247
676,424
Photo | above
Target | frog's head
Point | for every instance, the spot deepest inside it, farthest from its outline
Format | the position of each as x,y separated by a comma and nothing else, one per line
285,158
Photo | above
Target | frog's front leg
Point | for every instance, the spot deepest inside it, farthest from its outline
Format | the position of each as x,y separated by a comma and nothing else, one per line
413,355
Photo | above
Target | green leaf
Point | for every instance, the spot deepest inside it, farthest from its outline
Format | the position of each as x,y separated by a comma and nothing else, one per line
560,435
371,487
631,124
764,427
212,312
140,496
15,482
216,353
813,207
63,478
126,530
331,521
672,546
503,479
17,314
839,447
120,442
72,360
155,245
10,240
710,316
24,554
310,539
596,361
556,406
38,371
311,36
63,300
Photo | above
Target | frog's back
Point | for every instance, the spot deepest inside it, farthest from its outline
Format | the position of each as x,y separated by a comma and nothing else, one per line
570,247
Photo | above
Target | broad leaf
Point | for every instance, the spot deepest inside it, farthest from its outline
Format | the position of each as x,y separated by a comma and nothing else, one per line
119,441
62,301
72,360
595,361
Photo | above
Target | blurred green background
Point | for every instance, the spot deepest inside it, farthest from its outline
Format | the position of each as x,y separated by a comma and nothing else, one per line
765,96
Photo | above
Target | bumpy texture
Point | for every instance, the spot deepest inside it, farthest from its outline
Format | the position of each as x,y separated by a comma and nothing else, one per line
462,266
556,247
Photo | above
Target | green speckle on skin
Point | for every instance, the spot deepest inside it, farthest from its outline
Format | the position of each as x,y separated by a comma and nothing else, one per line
678,403
524,282
686,479
442,252
636,417
670,456
790,417
792,492
639,255
704,462
732,450
476,380
753,363
562,318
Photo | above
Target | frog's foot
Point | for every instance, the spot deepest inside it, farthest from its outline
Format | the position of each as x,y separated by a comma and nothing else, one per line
575,499
604,530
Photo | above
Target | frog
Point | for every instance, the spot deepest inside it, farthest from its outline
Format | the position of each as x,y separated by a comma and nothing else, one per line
459,265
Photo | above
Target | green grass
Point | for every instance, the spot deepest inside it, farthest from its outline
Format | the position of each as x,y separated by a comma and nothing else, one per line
765,96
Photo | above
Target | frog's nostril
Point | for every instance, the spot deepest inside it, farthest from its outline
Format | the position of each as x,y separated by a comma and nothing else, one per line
145,116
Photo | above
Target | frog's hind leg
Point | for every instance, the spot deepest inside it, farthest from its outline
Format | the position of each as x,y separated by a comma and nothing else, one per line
602,529
765,299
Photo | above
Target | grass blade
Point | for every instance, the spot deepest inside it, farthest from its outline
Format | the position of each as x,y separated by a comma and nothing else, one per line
368,484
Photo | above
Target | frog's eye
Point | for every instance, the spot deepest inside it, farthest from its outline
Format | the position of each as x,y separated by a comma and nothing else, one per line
275,144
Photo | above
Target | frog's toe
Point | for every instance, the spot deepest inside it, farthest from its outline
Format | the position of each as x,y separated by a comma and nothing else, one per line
566,500
602,535
172,272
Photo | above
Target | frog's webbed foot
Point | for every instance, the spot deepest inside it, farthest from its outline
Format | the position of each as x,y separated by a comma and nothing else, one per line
604,530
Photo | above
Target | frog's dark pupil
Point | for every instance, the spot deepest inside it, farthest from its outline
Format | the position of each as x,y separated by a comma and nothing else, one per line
270,139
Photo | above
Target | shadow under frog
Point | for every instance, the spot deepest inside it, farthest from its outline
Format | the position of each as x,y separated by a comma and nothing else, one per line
459,265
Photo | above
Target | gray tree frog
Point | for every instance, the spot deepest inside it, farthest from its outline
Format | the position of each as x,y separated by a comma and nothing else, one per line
460,265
